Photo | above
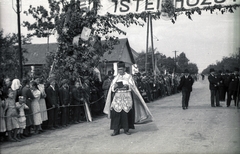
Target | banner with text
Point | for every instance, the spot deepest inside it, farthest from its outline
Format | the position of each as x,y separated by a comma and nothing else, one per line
121,7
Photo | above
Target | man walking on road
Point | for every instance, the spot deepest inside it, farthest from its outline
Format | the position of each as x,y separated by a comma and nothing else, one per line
213,86
185,85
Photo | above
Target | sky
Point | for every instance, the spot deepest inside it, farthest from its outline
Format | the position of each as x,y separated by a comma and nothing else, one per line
205,39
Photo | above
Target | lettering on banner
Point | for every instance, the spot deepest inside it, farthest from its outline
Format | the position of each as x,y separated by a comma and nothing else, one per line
138,6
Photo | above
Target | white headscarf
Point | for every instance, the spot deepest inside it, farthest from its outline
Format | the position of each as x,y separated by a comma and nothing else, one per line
16,84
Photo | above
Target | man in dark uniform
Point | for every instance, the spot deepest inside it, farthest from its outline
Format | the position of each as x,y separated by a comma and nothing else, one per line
213,86
233,87
185,85
52,103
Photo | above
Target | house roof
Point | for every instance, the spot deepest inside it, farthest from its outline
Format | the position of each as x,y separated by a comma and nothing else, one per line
121,52
36,53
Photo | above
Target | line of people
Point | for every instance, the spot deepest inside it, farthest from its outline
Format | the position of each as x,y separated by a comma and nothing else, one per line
32,107
222,84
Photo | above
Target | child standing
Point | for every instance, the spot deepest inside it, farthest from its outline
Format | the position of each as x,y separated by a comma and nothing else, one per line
12,117
22,118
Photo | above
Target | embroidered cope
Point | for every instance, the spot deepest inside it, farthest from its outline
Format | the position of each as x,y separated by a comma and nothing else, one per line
122,99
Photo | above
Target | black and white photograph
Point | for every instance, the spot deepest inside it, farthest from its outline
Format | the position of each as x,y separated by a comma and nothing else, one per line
120,76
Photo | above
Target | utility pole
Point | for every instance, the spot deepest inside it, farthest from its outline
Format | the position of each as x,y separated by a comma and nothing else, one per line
146,57
153,61
175,59
18,11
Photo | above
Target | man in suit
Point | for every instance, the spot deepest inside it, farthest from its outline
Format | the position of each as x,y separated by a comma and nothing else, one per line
214,83
233,87
185,85
52,101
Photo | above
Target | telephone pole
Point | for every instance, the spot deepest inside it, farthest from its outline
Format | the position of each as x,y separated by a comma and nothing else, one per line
175,59
18,11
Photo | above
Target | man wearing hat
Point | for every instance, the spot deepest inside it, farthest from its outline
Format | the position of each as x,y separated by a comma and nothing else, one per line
233,87
185,85
124,104
214,88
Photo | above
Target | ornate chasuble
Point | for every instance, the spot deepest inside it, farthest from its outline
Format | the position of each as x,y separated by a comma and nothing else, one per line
122,99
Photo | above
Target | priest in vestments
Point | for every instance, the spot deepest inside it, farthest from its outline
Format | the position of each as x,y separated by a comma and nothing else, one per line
124,104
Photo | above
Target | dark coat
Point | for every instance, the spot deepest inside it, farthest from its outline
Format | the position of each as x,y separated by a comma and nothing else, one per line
52,97
233,82
213,82
186,83
64,96
77,96
27,94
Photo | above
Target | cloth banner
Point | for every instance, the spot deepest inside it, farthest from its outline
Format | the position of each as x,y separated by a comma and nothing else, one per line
122,7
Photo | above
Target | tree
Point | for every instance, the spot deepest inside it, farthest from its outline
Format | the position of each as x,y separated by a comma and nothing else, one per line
193,69
163,63
9,57
227,63
70,18
182,61
43,25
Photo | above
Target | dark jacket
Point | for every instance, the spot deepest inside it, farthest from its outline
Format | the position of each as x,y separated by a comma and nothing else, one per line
213,82
77,96
52,97
64,96
186,83
233,82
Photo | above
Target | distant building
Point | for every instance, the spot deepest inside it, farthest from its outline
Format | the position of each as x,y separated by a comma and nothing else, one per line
37,53
121,52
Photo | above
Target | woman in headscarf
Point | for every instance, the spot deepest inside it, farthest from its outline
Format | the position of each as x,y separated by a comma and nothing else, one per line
16,86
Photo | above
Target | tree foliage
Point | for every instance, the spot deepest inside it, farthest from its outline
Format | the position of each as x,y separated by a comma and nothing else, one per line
69,20
166,63
9,54
227,63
